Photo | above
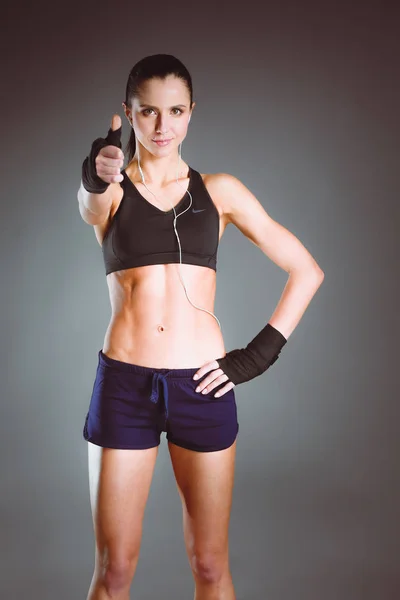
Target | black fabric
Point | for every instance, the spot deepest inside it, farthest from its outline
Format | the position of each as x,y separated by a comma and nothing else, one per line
91,181
247,363
141,234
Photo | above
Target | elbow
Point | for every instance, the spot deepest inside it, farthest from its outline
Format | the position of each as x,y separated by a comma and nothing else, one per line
312,272
316,272
313,275
319,274
318,277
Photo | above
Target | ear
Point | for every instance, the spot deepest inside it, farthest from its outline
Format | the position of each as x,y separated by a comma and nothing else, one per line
127,112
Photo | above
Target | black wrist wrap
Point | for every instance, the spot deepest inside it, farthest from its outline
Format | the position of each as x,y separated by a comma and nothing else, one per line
91,181
245,364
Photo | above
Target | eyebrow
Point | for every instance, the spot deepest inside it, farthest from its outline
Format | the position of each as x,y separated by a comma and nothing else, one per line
173,106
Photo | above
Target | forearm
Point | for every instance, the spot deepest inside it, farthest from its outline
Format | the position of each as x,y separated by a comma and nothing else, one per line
95,195
296,296
97,204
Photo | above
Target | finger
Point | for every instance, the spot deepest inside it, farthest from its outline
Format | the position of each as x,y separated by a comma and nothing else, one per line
114,133
205,369
105,170
213,380
106,166
116,122
229,386
109,174
107,162
112,152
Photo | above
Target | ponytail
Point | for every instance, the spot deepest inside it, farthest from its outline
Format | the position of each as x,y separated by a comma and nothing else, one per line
130,148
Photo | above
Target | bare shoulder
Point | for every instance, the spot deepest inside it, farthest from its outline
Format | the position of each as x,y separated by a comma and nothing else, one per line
101,229
214,183
242,208
232,196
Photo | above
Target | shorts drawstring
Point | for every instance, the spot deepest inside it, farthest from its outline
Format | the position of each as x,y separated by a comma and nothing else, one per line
157,377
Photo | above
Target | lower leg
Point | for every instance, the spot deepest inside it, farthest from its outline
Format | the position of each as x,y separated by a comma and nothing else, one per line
213,581
215,590
109,586
99,591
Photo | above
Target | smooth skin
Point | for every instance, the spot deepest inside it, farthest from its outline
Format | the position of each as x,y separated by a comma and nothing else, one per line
205,483
119,483
120,479
119,488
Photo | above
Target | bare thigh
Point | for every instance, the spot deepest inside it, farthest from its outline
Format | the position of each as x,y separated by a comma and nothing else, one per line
119,483
205,484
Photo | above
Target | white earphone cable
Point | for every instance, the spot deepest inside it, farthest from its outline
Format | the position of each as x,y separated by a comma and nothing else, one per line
176,233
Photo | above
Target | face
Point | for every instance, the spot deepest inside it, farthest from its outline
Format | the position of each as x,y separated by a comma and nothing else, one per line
161,112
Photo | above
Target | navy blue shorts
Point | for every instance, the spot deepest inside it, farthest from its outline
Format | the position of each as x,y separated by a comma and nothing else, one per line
132,405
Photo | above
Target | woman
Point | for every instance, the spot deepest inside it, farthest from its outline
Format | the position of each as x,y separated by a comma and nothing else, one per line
159,242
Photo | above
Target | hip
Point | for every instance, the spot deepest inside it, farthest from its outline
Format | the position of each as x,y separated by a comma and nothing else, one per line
131,405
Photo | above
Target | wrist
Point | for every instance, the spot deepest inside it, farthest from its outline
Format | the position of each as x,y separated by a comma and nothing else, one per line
250,362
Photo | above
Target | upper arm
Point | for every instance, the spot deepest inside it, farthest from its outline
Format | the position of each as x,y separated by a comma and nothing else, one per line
91,218
247,213
101,222
109,198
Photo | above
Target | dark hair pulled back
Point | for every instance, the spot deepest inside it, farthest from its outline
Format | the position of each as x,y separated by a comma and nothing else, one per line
158,66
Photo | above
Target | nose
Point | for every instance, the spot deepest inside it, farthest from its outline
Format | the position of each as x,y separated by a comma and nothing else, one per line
162,124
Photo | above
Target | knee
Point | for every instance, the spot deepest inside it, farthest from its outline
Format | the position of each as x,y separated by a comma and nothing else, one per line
208,567
116,574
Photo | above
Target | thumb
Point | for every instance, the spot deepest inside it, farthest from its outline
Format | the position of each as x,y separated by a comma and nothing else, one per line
116,122
114,133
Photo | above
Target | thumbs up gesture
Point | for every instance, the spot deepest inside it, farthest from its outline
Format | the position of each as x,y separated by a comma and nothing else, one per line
104,163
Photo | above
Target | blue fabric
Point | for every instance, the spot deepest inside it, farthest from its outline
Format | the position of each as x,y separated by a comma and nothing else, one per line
157,378
131,405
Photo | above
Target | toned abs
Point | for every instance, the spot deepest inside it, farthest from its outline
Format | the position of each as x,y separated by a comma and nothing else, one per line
152,321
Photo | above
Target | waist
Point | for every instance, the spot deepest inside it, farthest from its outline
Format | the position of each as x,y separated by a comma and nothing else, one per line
153,323
179,343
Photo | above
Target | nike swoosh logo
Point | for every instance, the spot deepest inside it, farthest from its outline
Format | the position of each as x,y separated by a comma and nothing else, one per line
196,211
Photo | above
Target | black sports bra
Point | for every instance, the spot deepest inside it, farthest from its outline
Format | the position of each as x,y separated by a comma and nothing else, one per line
142,234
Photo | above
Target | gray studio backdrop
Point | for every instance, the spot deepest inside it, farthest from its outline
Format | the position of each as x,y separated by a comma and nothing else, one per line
301,104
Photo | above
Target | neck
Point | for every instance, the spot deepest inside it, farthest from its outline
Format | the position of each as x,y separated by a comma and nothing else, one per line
158,171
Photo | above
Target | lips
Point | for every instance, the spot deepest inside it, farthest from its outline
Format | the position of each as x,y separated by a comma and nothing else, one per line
162,143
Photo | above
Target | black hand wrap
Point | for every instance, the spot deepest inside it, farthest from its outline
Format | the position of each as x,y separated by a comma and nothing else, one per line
247,363
91,181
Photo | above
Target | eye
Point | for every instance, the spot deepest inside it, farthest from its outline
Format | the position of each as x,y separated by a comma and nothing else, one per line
145,111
